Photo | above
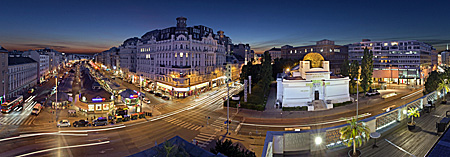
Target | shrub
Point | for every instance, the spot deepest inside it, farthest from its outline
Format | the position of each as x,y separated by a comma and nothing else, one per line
342,104
296,108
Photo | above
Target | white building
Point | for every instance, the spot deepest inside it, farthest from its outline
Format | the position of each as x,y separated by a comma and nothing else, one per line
22,75
312,85
43,63
181,60
127,59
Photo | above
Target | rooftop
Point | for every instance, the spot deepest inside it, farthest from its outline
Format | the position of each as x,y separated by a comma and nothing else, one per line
19,60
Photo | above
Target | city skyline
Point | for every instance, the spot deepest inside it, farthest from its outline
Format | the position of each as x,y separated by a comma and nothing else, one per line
74,27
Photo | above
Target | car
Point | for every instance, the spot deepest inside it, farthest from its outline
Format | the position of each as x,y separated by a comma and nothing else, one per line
36,109
31,90
81,123
64,122
100,121
158,94
165,97
147,89
372,92
146,100
235,97
151,92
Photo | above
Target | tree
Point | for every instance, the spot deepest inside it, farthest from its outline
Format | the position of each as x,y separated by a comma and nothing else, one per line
413,112
355,133
229,149
366,69
345,68
354,73
432,82
266,71
169,150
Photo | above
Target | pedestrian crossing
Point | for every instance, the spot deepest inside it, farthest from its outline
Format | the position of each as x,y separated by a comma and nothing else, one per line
183,124
17,120
203,139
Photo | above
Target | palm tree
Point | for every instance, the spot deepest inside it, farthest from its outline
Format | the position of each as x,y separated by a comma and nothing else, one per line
413,112
355,133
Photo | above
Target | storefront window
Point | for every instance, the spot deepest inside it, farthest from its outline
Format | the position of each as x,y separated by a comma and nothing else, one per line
91,108
99,107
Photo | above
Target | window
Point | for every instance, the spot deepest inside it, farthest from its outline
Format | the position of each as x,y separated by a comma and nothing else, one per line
181,54
175,55
187,55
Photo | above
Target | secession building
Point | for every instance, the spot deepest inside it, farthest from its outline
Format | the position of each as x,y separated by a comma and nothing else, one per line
181,60
311,85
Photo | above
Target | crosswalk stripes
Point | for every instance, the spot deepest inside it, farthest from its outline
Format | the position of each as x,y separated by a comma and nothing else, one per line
182,124
17,120
204,139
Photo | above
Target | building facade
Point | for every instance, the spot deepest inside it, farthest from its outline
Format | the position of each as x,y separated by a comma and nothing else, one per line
128,58
22,73
43,63
401,62
181,60
3,74
335,54
275,53
312,85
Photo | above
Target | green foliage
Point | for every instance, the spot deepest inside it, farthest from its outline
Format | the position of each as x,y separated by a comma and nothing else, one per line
353,130
266,72
229,149
354,73
345,68
366,69
170,150
255,101
342,104
281,64
432,82
297,108
413,112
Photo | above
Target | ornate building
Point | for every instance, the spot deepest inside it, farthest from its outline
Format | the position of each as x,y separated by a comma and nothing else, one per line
182,60
312,85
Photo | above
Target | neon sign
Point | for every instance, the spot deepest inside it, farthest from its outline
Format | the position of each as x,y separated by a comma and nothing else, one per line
98,99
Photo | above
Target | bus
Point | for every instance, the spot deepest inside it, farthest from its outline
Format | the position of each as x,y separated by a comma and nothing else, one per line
9,105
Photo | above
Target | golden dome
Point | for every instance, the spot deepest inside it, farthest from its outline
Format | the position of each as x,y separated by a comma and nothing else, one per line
315,59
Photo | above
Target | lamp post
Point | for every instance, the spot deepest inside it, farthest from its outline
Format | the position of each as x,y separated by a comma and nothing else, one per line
140,91
56,97
228,105
357,97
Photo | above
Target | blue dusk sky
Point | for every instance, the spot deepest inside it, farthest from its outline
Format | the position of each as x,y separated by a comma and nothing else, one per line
93,26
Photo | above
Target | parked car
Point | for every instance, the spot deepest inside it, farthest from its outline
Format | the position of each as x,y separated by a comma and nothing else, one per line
372,92
81,123
64,122
235,97
146,100
151,92
158,94
165,97
147,89
100,121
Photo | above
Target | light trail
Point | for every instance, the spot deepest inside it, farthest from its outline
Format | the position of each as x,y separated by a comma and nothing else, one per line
65,147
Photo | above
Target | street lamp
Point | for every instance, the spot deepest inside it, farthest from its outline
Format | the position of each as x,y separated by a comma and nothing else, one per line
357,97
140,91
228,105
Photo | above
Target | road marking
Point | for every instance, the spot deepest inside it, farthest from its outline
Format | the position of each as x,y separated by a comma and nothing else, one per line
306,125
65,147
399,147
417,92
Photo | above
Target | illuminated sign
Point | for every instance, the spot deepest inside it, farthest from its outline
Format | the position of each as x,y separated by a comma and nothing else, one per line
91,108
133,96
98,99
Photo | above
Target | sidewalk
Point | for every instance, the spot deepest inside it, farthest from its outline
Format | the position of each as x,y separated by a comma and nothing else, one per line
399,141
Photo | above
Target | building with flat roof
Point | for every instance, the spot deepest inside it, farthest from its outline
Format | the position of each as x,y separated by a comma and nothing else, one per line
3,74
335,54
22,73
400,61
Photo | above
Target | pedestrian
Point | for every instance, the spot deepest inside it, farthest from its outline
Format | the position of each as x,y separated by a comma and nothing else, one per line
94,116
196,143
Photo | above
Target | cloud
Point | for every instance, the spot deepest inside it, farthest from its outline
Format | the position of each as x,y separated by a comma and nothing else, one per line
44,46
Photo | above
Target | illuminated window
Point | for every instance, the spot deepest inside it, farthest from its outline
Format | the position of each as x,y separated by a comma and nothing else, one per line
321,50
394,43
295,51
371,44
306,50
187,55
175,54
181,54
311,49
291,51
385,44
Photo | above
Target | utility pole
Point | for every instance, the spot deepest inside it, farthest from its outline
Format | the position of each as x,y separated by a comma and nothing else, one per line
228,106
357,97
140,92
56,97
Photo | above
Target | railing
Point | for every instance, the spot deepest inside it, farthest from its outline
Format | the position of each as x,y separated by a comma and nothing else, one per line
379,123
